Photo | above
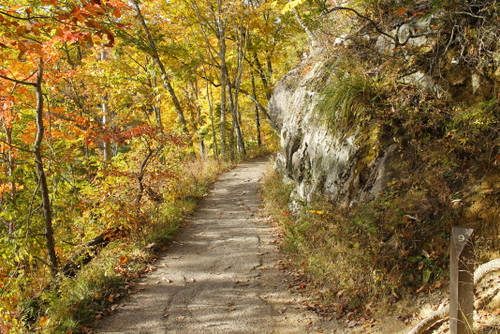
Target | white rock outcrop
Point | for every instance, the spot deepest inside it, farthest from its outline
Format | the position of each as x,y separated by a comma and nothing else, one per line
317,160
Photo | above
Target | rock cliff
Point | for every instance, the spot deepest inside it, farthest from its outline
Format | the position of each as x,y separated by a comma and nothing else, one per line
352,161
317,160
390,135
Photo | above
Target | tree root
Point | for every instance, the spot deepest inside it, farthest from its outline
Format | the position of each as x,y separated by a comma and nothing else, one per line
442,314
432,319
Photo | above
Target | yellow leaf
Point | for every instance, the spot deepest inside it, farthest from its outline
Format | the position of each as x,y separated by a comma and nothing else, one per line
12,10
43,321
291,5
319,212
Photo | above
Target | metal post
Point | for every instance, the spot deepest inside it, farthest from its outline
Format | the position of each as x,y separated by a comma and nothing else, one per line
461,281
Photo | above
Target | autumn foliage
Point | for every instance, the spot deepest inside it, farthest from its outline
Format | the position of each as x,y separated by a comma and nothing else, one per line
105,109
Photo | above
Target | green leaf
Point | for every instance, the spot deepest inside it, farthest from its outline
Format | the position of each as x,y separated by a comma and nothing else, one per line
426,275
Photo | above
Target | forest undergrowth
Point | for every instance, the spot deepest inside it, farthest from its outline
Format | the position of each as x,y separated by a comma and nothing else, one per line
103,274
104,106
445,172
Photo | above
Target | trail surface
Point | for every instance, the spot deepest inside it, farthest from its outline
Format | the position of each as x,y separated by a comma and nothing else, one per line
220,276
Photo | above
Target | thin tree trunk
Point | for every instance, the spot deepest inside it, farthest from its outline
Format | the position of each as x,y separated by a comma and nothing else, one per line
10,163
10,224
262,75
242,43
106,142
257,117
212,121
164,75
233,122
140,177
223,78
157,111
42,178
157,108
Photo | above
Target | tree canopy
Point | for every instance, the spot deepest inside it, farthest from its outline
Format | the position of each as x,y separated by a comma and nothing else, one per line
102,103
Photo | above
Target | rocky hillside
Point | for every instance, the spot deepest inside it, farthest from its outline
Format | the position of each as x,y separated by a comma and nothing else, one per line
390,136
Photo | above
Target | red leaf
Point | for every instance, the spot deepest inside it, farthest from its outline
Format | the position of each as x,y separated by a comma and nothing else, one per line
418,13
21,54
400,11
111,39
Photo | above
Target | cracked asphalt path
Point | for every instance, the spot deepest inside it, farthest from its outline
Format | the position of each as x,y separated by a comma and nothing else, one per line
220,276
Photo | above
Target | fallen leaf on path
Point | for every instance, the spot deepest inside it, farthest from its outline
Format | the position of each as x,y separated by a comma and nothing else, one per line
352,323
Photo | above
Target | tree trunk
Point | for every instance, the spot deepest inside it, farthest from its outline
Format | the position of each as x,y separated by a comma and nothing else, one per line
140,177
212,122
242,43
42,178
221,35
164,75
10,224
262,75
257,117
106,142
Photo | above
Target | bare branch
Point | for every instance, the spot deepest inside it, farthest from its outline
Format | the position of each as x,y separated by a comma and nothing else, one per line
20,82
364,17
23,18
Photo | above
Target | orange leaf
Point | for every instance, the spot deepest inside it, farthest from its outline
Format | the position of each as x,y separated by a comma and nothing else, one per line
418,13
400,11
21,30
21,54
12,10
117,13
43,321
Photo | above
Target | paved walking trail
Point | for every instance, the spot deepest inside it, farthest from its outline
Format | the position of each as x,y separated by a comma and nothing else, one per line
220,276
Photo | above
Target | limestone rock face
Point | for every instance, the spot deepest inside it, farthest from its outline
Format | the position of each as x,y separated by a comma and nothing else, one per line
319,162
343,165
